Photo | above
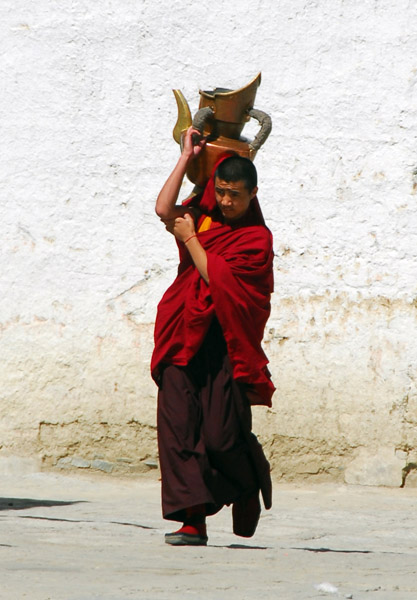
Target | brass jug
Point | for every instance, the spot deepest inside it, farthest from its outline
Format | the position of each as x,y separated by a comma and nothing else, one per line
220,119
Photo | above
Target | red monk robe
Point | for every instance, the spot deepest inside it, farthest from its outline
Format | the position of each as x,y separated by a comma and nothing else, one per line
239,264
209,364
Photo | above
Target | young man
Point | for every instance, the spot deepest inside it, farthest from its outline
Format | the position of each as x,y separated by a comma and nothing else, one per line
208,361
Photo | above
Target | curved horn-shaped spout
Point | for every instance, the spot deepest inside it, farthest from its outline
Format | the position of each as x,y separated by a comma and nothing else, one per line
184,119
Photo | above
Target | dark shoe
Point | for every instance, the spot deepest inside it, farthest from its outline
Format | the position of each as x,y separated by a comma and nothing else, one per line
187,536
246,512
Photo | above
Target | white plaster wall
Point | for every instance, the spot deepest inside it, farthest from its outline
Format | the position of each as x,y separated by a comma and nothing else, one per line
87,113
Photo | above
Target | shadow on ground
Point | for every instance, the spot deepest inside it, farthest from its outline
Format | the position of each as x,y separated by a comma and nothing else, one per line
321,550
36,518
23,503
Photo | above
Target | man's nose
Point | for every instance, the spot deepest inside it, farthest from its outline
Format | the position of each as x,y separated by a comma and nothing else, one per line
227,200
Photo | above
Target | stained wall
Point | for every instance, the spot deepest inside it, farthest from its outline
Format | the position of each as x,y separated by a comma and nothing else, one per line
87,114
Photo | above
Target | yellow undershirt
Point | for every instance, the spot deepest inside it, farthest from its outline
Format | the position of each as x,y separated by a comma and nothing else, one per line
205,225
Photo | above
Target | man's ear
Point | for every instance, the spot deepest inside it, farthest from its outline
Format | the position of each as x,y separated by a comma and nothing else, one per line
254,192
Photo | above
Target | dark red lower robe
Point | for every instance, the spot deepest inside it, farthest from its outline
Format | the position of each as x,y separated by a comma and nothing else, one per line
209,366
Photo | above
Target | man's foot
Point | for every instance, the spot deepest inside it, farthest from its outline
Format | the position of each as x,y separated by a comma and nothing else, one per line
188,535
246,512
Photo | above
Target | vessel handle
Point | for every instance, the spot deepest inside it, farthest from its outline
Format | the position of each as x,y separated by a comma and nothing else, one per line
265,122
200,118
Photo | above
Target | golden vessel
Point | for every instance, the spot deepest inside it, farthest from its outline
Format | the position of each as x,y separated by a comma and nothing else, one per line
220,119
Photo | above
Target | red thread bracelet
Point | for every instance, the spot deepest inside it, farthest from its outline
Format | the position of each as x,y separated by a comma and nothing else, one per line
191,237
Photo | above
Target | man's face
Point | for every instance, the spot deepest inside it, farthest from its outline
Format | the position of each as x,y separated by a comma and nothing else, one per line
233,198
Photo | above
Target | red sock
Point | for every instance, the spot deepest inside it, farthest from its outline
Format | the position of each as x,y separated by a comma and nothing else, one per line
196,529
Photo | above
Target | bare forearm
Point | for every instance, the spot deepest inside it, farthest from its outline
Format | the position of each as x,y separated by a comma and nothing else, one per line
165,206
199,256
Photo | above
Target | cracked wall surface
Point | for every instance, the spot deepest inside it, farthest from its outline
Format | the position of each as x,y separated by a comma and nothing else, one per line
87,112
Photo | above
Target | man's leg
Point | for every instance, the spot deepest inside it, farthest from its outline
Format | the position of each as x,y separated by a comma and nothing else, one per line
180,449
233,450
185,496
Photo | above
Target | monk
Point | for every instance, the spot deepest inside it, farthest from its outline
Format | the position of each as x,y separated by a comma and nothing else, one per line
208,362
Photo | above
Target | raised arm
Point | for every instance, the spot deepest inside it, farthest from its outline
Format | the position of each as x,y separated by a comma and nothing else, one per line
166,207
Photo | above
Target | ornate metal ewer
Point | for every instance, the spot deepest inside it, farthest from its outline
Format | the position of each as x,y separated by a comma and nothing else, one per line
221,117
